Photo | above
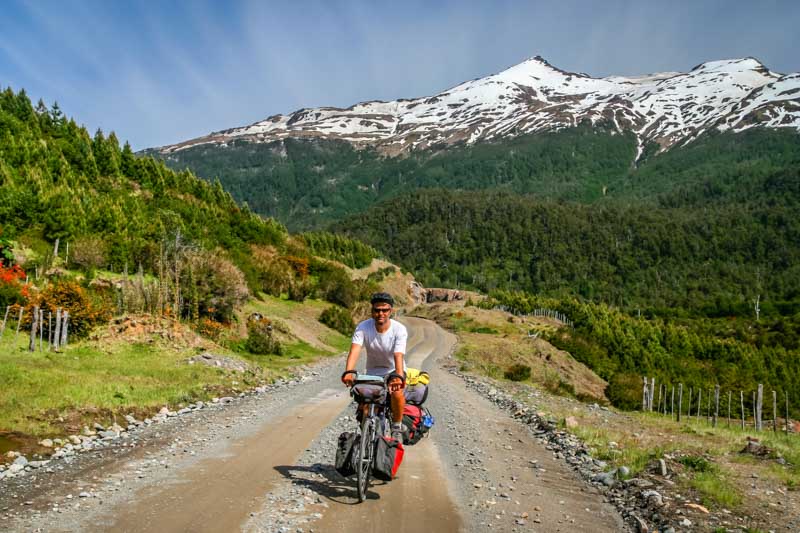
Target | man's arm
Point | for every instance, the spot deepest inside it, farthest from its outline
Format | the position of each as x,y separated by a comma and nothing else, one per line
352,359
398,363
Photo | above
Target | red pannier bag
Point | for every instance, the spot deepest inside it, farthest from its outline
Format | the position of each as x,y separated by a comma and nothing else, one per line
413,428
388,456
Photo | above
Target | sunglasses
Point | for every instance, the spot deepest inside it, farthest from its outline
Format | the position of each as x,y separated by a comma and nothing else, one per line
381,309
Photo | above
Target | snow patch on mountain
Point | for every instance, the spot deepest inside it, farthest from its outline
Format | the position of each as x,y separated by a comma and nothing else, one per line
668,108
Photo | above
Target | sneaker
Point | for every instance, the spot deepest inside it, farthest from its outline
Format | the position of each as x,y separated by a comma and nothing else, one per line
397,434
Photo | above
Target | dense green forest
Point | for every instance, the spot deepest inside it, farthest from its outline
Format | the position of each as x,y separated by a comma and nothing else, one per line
57,181
113,210
678,261
737,354
308,183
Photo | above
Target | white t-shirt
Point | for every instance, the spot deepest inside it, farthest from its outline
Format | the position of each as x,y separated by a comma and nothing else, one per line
381,346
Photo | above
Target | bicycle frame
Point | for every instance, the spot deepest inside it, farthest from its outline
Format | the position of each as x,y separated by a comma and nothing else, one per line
373,426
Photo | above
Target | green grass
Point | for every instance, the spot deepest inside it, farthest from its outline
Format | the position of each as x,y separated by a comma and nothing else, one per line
275,307
37,388
627,453
337,340
89,381
715,489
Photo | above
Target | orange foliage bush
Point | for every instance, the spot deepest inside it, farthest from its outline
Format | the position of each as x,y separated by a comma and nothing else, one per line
84,312
210,329
298,264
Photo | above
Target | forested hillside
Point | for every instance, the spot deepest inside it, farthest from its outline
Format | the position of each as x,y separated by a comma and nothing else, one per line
111,210
712,261
57,181
736,353
309,183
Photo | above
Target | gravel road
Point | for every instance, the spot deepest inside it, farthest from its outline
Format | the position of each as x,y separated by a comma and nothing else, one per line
262,463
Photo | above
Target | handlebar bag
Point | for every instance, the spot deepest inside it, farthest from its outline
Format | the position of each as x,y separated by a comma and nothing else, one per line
369,393
388,456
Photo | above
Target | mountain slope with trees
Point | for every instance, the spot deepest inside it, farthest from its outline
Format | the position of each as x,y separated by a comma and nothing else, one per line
309,183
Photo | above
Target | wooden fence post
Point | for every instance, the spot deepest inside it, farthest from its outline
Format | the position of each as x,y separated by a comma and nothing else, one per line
716,405
34,325
729,408
644,394
699,402
786,394
759,406
652,391
689,408
19,323
708,407
64,328
658,404
755,421
57,332
680,400
49,330
774,412
41,328
672,403
665,398
741,399
3,327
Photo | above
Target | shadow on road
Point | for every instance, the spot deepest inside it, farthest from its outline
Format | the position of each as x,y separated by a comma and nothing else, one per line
333,486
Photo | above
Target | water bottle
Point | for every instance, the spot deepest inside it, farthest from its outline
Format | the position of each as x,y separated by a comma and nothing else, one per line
427,421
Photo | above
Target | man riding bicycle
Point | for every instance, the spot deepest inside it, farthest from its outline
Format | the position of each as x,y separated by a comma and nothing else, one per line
385,342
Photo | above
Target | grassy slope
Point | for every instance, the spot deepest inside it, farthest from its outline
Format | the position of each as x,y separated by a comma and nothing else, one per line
705,460
94,380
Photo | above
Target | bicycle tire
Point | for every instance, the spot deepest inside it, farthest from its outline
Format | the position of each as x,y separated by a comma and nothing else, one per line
364,458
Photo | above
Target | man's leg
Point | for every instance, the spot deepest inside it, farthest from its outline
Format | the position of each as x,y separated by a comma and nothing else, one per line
398,403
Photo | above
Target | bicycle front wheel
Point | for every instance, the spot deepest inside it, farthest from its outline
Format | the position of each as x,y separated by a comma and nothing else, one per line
364,465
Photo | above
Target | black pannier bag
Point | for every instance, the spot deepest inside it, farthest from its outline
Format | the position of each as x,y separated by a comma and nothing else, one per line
345,448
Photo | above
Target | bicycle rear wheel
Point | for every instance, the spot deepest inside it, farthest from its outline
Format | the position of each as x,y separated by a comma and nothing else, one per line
364,465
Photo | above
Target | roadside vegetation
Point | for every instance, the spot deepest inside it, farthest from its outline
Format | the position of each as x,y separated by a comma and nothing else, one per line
175,292
708,466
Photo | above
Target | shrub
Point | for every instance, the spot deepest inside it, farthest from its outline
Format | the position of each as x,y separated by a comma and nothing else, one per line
89,253
518,372
274,274
336,287
260,339
624,390
212,285
84,312
300,289
338,318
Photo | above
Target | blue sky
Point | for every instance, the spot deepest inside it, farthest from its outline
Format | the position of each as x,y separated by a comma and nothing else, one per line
159,72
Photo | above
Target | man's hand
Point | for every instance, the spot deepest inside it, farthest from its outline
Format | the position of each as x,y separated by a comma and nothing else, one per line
349,378
395,384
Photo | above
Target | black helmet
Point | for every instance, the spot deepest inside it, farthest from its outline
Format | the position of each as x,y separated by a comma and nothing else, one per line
382,297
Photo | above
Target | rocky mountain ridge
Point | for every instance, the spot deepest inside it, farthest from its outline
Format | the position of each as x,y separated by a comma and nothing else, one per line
669,109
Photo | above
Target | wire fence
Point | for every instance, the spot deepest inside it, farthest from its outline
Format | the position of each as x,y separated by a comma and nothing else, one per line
738,410
50,332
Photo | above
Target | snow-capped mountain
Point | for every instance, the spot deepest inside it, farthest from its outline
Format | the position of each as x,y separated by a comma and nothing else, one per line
667,108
